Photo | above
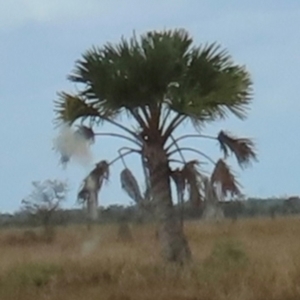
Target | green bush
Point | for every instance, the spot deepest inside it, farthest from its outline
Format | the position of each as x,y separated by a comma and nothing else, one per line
31,274
227,255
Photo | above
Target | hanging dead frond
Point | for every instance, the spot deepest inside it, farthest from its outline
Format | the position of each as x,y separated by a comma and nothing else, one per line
242,148
87,133
102,172
180,183
194,182
209,191
223,175
130,186
93,182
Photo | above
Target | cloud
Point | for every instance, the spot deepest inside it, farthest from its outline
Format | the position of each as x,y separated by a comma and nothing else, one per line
19,12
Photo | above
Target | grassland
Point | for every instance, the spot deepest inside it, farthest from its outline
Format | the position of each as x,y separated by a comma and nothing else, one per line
256,259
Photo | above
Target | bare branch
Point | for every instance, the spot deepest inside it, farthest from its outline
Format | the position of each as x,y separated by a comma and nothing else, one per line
135,135
189,136
137,117
119,136
177,147
164,120
122,158
124,154
172,126
192,150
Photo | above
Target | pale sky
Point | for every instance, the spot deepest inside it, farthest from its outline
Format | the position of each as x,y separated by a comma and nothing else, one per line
41,39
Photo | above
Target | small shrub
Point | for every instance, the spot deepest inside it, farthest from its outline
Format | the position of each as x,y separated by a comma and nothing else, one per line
227,254
31,274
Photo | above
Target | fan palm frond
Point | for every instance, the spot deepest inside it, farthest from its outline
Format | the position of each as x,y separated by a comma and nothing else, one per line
94,181
223,175
180,183
242,148
189,177
211,86
70,108
194,180
130,186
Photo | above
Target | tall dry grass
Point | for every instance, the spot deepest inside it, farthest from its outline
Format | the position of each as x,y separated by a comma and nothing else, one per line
247,260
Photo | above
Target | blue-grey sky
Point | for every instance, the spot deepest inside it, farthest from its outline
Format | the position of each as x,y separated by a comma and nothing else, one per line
41,39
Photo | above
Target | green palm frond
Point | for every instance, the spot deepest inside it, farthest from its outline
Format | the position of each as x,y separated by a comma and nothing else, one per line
211,86
69,108
133,73
201,83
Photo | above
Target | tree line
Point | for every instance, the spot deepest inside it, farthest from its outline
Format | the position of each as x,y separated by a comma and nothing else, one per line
113,214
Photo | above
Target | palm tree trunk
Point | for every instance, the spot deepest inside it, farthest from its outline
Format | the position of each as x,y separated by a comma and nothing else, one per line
174,244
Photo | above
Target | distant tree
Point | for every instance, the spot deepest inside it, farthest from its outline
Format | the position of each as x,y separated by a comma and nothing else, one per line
159,81
44,201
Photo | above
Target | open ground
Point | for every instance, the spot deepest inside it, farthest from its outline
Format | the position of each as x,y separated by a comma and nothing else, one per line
251,259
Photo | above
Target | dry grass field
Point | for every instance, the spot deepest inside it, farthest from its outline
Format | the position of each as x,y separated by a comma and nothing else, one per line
256,259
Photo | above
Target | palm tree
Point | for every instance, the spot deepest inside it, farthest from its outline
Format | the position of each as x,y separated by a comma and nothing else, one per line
161,81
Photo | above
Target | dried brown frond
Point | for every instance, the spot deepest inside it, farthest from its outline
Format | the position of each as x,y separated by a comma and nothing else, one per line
223,174
102,171
180,182
130,185
242,148
194,182
209,191
86,132
195,196
93,182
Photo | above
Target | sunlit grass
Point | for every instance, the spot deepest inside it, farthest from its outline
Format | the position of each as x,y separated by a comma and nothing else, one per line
254,259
